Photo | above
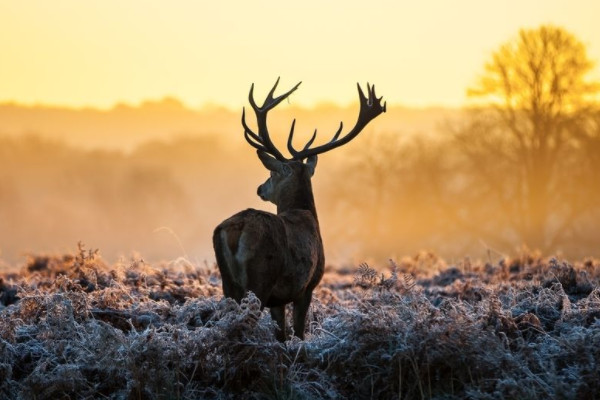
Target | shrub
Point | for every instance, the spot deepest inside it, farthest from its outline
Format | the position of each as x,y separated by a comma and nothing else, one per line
74,327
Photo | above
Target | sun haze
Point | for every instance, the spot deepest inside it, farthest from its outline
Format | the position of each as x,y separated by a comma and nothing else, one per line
81,54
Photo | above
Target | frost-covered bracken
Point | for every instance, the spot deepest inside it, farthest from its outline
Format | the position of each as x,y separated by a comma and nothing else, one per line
74,327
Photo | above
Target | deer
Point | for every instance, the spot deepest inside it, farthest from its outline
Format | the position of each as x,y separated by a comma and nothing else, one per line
279,257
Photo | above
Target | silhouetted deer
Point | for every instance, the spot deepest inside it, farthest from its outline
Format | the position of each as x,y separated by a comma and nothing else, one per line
280,257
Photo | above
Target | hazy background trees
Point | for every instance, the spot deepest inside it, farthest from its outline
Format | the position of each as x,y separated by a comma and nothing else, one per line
519,167
539,97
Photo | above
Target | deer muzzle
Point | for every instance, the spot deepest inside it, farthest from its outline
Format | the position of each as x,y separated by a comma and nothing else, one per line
262,193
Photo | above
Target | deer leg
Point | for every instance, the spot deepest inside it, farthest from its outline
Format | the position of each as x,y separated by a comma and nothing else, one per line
228,290
300,309
278,315
233,291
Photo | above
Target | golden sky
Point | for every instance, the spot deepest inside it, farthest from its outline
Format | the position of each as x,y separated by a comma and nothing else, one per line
96,53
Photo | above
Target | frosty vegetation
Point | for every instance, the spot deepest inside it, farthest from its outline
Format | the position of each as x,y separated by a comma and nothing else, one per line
528,327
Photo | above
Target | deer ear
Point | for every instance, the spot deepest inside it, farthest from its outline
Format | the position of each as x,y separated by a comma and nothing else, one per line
311,163
270,163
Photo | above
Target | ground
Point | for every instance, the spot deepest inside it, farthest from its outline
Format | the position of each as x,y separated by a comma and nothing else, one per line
528,327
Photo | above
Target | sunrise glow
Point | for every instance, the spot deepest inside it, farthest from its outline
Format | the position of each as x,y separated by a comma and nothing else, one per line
78,54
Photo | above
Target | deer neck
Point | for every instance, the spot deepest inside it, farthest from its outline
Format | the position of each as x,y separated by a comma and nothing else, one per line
299,199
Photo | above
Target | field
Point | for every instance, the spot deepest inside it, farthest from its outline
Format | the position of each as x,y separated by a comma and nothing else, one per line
524,328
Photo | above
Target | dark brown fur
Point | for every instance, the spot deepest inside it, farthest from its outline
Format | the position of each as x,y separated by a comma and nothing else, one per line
279,256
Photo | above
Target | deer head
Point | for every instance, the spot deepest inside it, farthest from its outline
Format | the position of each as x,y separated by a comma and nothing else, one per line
287,174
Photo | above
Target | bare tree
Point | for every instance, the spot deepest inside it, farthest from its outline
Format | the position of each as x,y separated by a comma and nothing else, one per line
517,148
390,207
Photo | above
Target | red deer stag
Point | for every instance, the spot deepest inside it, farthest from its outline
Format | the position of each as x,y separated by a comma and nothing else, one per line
280,257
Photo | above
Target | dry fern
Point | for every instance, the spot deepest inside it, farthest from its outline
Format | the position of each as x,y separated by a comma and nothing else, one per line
521,328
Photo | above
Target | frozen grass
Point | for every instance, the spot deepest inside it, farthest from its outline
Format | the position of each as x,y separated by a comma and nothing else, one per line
527,328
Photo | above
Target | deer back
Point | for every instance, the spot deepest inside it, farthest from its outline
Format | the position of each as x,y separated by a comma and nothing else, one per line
275,256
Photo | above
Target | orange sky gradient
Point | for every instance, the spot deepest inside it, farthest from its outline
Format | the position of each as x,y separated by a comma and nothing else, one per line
95,54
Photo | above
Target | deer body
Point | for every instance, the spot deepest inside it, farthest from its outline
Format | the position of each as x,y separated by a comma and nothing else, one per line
292,265
280,256
281,264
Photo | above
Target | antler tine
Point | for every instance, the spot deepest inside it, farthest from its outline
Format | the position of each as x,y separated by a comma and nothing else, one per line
361,95
378,99
252,138
290,146
370,108
272,91
262,140
296,155
270,101
290,137
337,134
275,101
251,97
312,139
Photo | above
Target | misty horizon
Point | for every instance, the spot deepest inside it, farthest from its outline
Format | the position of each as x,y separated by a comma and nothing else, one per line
176,102
124,127
472,181
164,150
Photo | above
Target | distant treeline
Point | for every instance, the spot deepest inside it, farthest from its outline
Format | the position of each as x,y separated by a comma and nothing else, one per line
125,127
385,195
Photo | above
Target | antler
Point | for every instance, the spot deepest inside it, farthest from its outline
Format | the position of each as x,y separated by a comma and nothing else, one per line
369,109
262,140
